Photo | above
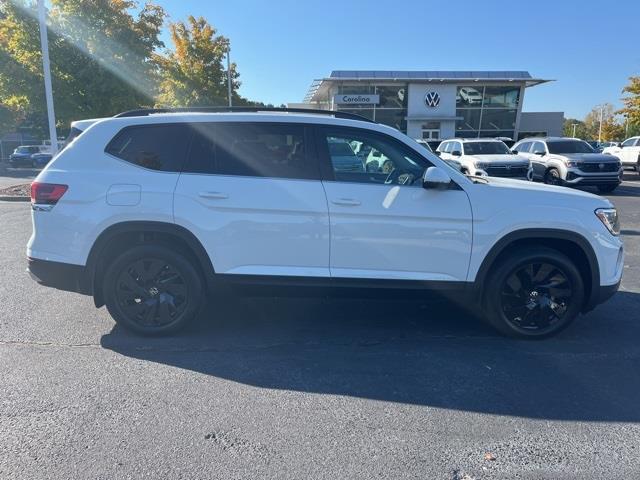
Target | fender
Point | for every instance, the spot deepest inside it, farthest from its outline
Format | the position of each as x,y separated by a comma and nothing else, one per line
545,234
114,230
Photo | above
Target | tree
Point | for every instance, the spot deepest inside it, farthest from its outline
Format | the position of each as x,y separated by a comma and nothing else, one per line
101,58
612,129
580,128
193,74
631,109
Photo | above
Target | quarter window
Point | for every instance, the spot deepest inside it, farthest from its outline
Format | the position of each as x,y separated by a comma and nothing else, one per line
157,147
365,157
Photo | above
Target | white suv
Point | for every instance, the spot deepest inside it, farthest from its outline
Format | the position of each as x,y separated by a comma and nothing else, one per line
149,212
628,152
485,155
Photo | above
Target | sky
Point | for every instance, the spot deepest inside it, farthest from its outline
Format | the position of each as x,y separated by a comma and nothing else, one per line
589,48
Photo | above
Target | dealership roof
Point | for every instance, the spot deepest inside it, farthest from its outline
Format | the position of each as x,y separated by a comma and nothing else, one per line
320,87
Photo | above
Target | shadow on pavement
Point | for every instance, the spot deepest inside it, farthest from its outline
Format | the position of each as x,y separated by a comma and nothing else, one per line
413,353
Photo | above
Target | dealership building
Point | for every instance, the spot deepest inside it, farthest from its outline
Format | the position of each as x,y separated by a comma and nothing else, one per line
437,105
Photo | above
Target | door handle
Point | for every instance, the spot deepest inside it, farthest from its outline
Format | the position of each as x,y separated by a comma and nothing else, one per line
346,202
213,195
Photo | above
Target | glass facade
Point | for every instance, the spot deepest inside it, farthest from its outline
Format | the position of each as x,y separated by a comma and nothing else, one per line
487,111
391,110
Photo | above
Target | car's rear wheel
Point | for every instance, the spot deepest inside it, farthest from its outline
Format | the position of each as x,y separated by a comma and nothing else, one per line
552,177
152,290
533,293
607,188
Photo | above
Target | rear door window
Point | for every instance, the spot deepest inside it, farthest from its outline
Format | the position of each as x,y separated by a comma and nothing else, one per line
252,150
157,147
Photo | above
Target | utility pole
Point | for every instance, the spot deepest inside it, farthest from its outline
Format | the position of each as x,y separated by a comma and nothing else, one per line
574,129
46,67
229,75
600,128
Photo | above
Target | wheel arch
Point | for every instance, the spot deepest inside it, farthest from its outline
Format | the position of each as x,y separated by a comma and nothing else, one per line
129,233
572,244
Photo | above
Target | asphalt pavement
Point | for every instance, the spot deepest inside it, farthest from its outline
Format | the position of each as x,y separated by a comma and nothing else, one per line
276,387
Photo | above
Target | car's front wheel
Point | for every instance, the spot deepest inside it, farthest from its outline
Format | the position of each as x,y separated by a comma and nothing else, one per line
533,293
552,177
152,290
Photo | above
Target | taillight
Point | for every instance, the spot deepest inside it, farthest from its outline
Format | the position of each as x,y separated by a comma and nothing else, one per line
47,193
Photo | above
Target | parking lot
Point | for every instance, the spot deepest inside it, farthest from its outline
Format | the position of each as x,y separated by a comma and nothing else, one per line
274,387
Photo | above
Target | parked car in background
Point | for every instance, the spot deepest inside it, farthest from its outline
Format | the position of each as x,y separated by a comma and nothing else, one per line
487,155
343,157
149,214
40,159
628,152
470,95
570,162
22,156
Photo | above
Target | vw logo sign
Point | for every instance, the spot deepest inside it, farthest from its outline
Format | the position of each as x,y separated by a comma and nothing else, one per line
432,99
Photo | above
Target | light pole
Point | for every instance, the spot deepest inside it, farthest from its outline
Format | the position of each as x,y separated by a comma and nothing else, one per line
46,67
600,128
574,129
229,76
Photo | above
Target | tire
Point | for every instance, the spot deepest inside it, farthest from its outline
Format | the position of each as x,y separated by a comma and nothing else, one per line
552,177
152,290
607,188
533,311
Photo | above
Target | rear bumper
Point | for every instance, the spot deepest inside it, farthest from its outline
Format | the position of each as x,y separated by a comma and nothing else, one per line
63,276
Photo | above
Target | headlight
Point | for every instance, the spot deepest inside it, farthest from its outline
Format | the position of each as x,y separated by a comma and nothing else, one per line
609,217
571,163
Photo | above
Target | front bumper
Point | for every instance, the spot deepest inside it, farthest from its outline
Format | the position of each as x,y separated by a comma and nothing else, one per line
63,276
576,176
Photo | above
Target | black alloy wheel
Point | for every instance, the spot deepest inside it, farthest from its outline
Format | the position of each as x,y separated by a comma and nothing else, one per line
152,290
535,297
533,292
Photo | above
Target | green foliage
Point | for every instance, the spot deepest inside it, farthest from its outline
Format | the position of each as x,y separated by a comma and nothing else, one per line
580,128
194,73
612,128
101,58
631,102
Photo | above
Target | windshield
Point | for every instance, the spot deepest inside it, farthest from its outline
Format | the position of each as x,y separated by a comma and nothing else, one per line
486,148
569,146
26,149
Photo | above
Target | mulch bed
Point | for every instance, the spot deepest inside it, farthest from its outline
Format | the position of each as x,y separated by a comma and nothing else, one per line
22,190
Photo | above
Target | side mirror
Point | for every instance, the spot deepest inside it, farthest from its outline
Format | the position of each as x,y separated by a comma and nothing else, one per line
456,153
435,177
515,152
438,153
540,153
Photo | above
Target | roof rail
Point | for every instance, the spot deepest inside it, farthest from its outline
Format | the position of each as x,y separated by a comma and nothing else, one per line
142,112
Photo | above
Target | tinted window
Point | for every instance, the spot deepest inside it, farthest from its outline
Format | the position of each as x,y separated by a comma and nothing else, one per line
485,148
367,157
157,147
523,147
456,147
251,149
569,146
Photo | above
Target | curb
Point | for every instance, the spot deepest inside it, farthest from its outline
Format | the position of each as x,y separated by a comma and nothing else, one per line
15,198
